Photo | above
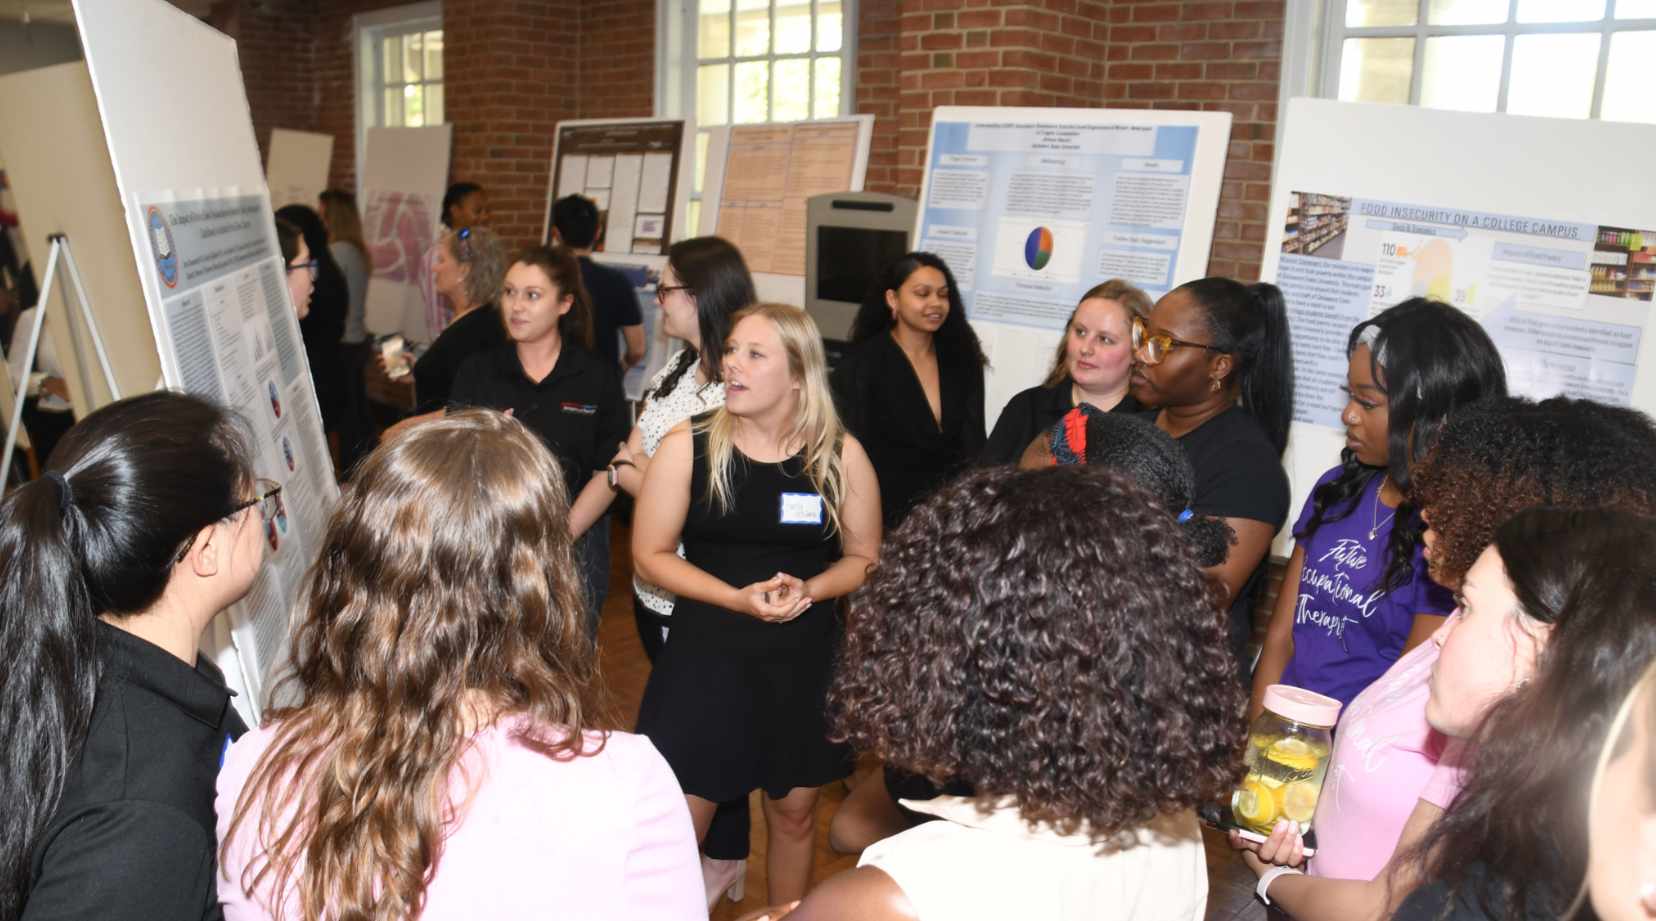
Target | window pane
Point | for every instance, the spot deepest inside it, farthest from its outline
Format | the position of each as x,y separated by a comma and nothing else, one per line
391,55
1462,72
830,30
713,94
1467,12
692,218
394,107
1560,10
1381,13
700,169
1376,69
752,27
434,103
752,92
827,104
793,26
1626,97
413,107
411,58
434,55
790,90
1553,74
1635,9
713,29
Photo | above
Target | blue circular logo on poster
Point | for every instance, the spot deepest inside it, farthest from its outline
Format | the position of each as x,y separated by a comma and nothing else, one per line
161,242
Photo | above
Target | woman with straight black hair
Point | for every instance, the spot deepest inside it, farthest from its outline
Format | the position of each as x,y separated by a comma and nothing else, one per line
146,524
1213,359
1356,595
324,326
911,388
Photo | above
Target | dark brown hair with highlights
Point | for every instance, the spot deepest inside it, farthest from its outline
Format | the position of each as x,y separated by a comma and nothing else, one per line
563,269
445,597
1046,635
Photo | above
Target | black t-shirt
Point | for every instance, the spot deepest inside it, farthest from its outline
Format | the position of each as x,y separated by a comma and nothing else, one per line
133,836
614,305
1238,475
1432,901
478,331
1032,412
578,409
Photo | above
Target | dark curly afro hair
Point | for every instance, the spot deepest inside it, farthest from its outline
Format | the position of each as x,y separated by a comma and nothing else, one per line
1499,457
1046,635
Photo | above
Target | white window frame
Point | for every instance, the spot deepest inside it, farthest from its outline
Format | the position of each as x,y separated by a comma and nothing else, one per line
1312,51
367,32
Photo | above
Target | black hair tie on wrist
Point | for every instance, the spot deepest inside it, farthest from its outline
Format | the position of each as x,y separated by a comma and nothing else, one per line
66,495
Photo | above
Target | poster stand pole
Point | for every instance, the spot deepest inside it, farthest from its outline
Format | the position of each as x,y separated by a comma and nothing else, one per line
59,247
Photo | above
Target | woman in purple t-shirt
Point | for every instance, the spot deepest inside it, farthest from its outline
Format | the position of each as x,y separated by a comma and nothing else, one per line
1355,595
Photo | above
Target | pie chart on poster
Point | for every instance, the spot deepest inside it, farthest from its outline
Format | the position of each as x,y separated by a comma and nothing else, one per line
1038,248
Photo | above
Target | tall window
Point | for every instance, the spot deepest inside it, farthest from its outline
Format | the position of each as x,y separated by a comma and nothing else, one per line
399,62
746,61
1560,58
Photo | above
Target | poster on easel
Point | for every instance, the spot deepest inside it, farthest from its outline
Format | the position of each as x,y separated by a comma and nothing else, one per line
202,236
1032,207
404,176
637,171
1561,275
297,168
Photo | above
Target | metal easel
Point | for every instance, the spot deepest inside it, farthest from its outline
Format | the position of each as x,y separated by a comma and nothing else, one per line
59,247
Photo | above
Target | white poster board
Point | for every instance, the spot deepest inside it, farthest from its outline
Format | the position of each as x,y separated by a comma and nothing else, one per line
1560,273
297,168
203,238
1031,207
404,176
53,145
638,172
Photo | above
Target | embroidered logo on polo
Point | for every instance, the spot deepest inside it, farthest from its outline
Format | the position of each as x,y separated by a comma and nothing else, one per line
580,409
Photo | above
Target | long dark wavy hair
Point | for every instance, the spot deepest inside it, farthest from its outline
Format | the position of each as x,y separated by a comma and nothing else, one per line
1515,839
1250,323
997,642
1430,359
447,575
955,339
1498,457
124,492
718,278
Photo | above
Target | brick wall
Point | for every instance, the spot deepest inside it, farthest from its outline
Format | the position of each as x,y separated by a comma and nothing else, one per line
618,51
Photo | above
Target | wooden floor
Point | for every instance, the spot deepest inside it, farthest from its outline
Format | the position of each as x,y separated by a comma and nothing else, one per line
625,667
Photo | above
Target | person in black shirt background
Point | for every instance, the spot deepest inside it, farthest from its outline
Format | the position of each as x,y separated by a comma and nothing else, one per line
1094,360
1213,358
548,378
911,389
146,525
324,324
614,301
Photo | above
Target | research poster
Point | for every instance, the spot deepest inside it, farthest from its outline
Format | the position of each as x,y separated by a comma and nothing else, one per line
1030,212
232,333
769,172
404,176
633,171
1565,302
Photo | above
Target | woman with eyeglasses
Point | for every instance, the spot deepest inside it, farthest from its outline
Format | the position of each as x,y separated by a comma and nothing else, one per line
324,325
146,524
1092,367
1213,359
301,268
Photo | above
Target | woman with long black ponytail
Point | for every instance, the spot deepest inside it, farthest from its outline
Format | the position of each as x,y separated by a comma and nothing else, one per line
146,524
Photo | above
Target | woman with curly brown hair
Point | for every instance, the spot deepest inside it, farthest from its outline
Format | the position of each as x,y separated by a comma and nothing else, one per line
1391,774
997,643
444,757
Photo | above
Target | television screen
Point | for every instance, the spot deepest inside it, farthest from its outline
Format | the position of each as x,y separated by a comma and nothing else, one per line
849,260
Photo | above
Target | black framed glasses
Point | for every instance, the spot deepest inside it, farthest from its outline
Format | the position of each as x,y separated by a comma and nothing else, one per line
1154,349
265,496
310,267
663,290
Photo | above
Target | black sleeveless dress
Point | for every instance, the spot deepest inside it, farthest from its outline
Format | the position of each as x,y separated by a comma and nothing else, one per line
736,703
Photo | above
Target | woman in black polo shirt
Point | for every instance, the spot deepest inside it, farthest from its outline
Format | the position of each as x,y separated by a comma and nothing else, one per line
548,378
147,524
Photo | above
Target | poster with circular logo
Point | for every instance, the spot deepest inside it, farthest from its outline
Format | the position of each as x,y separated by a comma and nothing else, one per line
161,242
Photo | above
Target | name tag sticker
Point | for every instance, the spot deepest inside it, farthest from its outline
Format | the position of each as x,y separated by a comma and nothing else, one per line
801,508
580,409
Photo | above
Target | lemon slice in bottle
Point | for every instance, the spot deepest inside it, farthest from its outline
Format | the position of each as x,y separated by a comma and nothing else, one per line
1294,754
1299,801
1254,804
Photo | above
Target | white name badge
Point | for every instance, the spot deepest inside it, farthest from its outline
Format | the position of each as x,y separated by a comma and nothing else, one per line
801,508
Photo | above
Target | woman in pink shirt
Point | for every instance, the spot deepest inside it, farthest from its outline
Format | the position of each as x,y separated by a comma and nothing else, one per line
1391,775
442,759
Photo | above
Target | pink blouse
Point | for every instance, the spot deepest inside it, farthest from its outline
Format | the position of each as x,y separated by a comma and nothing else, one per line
605,835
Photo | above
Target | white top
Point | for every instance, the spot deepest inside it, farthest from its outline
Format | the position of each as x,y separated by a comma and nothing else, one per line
977,866
661,413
